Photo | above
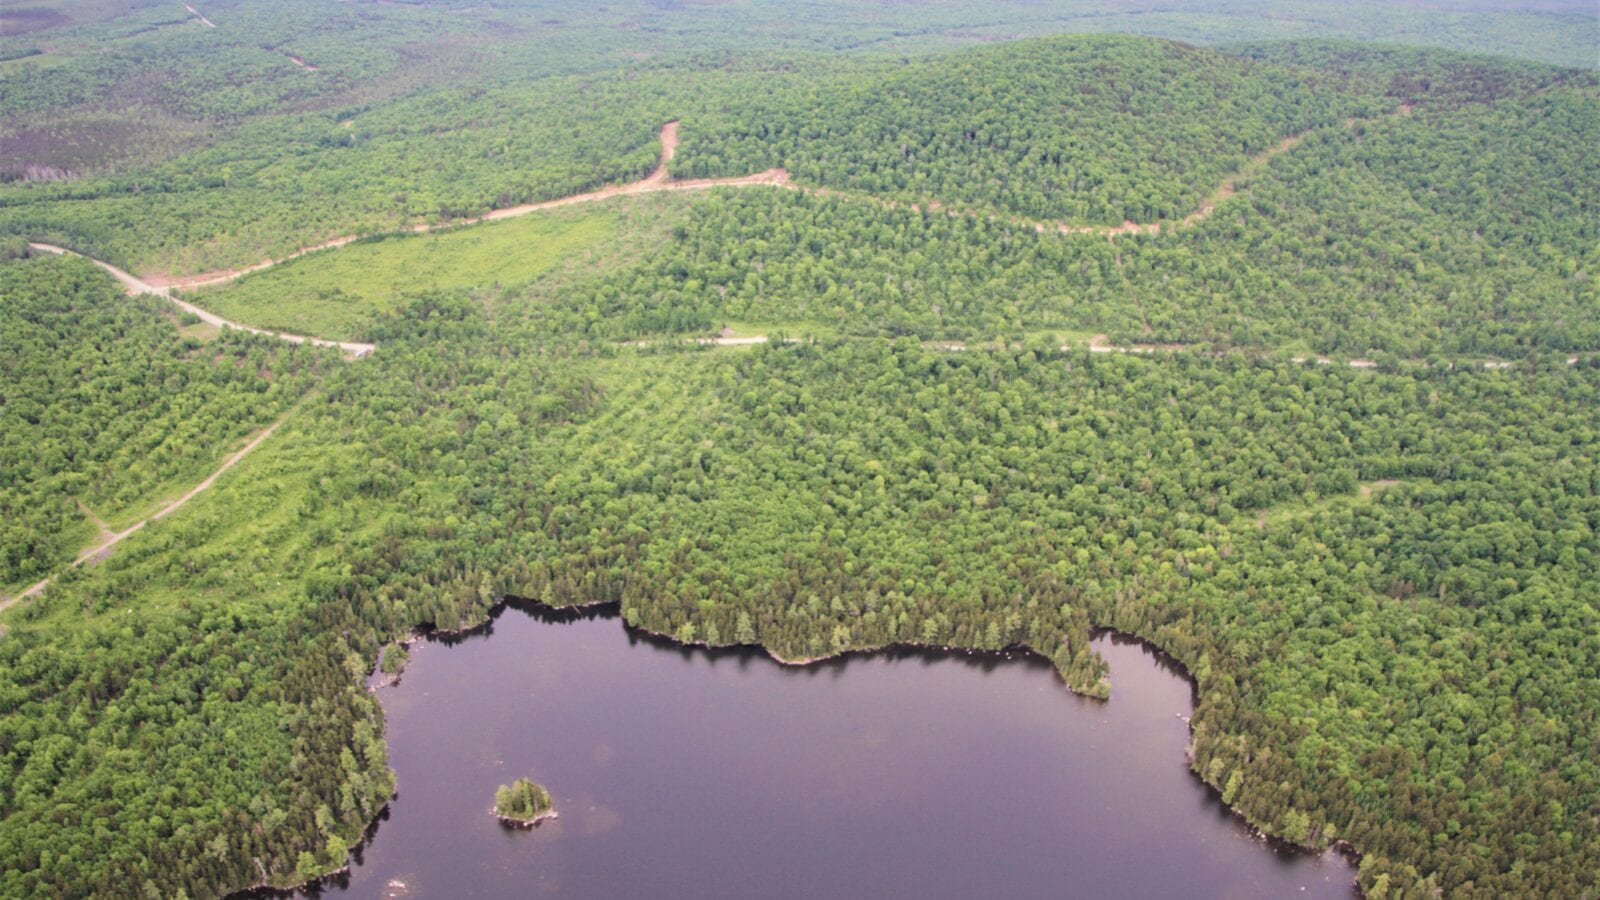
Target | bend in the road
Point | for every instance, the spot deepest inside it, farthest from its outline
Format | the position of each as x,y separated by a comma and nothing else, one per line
135,285
659,179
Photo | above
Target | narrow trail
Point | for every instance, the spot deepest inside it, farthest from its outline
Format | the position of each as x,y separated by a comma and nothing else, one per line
1101,344
104,530
109,539
135,286
196,13
301,62
1226,189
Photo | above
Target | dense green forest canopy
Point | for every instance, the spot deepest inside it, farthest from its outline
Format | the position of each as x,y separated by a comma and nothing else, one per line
1211,504
1097,130
185,147
1382,579
1466,230
1438,224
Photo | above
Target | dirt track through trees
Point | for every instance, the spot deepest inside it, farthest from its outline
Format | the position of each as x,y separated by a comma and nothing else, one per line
196,13
658,180
109,540
134,286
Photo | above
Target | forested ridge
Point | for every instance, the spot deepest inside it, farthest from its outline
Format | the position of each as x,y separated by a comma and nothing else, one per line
1382,580
1052,129
1464,231
1435,225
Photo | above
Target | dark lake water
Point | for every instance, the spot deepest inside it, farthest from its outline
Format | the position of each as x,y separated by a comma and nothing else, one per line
683,773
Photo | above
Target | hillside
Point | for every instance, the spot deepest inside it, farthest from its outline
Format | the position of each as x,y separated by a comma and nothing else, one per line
108,405
1087,130
1345,470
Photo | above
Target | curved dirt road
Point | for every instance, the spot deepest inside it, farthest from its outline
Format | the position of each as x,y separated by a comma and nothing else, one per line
108,541
660,180
352,349
657,180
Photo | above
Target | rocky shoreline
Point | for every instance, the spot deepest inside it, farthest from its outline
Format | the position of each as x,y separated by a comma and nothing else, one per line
514,822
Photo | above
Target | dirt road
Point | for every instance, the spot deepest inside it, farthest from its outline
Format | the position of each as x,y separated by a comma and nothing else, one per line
134,285
196,14
109,540
658,180
1101,344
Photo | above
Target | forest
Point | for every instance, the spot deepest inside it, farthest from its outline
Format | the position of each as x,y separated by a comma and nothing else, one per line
109,403
1214,505
1457,228
1382,578
1050,129
1402,235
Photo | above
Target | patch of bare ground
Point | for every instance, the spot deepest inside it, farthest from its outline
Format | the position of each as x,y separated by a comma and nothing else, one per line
1371,487
94,140
21,21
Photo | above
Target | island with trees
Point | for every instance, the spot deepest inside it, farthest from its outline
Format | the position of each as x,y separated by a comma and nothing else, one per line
523,803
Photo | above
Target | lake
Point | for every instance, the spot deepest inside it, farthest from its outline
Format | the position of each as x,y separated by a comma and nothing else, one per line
680,772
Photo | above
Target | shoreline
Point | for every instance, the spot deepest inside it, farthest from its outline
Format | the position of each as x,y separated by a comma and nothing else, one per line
1343,848
548,815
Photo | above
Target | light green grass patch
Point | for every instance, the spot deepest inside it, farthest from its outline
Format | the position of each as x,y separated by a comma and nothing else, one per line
203,332
335,293
1366,492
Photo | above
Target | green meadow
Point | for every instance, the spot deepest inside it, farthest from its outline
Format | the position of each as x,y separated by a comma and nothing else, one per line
335,293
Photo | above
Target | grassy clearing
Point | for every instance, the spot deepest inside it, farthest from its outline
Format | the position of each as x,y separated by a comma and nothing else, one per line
203,332
1366,492
335,293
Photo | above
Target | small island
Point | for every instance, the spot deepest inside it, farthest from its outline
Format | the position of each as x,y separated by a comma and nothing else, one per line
523,804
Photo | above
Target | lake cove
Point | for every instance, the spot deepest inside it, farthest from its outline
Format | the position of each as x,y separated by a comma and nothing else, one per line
683,772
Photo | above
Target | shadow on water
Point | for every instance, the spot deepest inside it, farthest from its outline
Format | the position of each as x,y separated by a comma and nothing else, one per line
901,772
